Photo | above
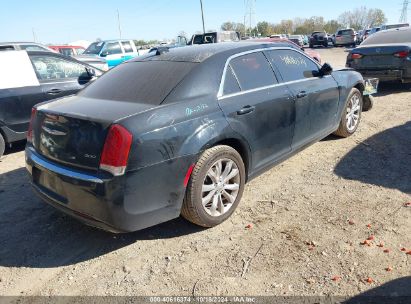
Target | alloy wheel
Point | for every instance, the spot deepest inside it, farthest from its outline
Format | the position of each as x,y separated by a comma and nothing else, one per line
220,187
353,112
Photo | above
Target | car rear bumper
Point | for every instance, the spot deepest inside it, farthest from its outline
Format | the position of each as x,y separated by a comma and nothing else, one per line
135,201
384,75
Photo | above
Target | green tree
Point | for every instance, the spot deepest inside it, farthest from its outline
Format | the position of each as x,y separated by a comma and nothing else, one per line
332,26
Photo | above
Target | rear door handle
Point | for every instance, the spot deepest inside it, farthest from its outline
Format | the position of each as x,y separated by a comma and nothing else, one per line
246,110
54,91
302,94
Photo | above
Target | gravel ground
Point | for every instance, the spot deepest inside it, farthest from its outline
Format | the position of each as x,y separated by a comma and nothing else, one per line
307,218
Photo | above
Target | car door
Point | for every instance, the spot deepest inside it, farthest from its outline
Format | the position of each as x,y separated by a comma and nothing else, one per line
257,107
113,53
316,98
59,76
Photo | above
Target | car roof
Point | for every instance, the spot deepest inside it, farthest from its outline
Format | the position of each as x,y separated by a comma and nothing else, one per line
19,42
200,53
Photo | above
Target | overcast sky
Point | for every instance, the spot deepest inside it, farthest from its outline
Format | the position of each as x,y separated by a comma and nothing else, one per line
65,21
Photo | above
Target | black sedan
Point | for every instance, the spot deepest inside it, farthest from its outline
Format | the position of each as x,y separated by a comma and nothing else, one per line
385,55
182,131
33,77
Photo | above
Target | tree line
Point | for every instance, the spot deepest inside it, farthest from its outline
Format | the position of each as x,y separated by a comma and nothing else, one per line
358,19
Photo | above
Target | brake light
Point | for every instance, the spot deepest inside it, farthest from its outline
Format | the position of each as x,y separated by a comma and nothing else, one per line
402,54
338,36
356,56
116,150
30,131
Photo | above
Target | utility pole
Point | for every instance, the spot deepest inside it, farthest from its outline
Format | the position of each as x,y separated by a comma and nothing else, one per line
250,13
119,24
202,15
404,12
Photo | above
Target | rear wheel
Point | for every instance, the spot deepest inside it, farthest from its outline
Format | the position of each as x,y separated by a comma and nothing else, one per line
215,187
351,116
2,145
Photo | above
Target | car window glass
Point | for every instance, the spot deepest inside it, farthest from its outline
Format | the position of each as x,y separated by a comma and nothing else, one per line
231,85
135,81
32,48
292,65
49,67
80,51
66,51
127,46
253,71
113,48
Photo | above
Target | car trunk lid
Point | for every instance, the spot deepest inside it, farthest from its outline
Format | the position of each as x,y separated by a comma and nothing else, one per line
73,130
379,56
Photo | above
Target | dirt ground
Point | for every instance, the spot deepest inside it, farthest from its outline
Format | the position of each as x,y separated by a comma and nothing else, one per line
308,216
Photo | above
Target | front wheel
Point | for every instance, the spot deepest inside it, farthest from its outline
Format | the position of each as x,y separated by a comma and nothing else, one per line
351,116
215,187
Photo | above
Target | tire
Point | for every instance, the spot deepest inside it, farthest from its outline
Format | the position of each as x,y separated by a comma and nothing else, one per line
2,145
368,103
193,209
344,130
326,44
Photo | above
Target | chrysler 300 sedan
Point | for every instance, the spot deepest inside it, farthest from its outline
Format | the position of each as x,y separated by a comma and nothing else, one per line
181,132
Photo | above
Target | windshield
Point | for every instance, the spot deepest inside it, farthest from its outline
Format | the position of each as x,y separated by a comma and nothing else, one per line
385,37
94,48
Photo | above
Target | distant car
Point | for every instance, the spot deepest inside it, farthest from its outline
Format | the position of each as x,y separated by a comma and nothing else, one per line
24,46
278,36
345,37
394,26
28,78
77,51
181,132
68,50
374,30
384,55
319,38
297,39
215,37
113,51
311,53
365,34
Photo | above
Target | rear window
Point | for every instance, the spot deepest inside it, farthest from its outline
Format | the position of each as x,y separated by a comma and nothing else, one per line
141,82
401,36
346,32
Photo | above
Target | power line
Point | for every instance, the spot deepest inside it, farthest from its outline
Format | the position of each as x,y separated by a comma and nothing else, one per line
404,12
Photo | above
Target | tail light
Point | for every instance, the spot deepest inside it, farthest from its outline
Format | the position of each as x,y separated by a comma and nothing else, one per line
338,36
402,54
116,150
30,131
356,56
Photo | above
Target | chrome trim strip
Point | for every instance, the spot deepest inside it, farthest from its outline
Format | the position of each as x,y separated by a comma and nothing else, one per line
62,171
220,94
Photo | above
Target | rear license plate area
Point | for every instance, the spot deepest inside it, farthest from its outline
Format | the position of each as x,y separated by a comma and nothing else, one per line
50,185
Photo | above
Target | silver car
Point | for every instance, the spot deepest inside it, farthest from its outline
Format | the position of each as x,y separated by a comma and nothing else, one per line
346,37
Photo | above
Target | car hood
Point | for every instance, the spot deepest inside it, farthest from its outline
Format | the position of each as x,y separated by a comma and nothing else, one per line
90,58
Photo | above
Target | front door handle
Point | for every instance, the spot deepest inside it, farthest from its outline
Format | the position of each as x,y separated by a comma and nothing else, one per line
246,110
302,94
54,91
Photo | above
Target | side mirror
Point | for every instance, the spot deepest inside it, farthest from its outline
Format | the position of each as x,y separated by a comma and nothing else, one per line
104,54
326,69
91,72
